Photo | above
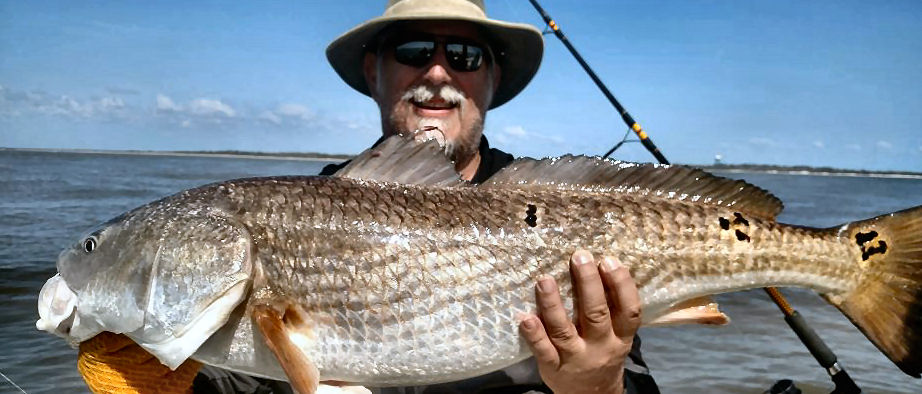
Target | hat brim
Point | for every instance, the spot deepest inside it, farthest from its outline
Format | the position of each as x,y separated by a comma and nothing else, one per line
518,53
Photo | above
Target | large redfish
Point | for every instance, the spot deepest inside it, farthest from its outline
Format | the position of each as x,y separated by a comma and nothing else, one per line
394,272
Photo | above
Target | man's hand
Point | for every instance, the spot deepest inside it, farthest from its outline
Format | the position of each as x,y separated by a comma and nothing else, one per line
113,363
588,358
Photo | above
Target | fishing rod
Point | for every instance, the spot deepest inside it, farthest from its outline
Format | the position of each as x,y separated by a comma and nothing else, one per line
816,346
826,358
13,383
628,119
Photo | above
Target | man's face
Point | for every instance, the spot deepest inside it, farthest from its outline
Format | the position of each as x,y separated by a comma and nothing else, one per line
414,97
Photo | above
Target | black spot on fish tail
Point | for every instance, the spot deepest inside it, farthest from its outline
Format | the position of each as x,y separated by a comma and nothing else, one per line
740,219
742,236
868,247
724,223
863,238
866,253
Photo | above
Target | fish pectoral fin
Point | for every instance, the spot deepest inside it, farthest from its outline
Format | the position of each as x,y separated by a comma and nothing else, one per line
701,310
301,371
344,389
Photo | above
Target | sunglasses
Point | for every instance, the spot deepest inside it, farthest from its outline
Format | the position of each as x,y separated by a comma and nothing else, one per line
461,55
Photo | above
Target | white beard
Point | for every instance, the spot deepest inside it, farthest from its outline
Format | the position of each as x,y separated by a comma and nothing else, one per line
459,149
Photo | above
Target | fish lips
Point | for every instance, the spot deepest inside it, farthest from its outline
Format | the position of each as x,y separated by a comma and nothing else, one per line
59,315
57,307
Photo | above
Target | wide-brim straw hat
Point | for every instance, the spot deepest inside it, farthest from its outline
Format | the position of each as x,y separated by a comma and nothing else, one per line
517,47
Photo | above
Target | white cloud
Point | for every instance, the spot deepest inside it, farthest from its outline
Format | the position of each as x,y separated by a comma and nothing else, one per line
270,117
166,104
762,141
884,145
288,113
517,131
819,144
853,146
204,106
67,105
64,105
516,134
25,100
196,111
294,111
507,134
111,103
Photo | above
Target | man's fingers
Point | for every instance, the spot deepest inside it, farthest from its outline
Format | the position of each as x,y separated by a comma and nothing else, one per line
591,303
537,339
623,296
560,330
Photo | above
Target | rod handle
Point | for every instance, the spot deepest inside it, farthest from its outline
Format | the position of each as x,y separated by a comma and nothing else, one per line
822,354
815,345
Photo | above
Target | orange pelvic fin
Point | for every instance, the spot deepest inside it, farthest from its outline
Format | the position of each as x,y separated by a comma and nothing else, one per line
701,310
302,373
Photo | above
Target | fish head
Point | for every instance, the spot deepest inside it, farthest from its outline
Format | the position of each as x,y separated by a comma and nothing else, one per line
108,279
167,277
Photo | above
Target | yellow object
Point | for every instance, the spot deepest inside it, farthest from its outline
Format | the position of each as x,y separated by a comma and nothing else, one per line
113,363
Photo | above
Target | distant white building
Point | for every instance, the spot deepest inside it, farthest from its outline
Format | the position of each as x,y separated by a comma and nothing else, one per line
718,159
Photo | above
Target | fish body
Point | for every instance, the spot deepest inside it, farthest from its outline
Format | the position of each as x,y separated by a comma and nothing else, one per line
437,290
382,282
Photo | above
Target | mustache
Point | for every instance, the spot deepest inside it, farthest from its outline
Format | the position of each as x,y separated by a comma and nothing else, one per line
423,93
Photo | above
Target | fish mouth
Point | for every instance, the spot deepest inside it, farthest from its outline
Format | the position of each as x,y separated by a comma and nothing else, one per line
57,307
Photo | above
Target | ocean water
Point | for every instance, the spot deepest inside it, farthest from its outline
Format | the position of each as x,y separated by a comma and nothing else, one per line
49,199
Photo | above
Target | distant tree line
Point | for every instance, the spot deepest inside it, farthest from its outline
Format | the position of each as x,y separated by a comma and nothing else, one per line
766,167
331,156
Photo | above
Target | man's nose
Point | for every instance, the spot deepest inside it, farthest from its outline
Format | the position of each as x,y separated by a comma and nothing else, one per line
437,70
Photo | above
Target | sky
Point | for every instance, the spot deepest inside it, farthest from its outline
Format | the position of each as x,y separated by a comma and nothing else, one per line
822,83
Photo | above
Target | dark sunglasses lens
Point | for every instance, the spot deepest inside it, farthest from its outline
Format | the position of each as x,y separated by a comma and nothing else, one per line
414,53
464,57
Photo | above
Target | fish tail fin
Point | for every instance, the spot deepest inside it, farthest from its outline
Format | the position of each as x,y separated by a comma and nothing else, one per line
887,303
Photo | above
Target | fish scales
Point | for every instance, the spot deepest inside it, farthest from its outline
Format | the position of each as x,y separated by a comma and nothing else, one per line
434,287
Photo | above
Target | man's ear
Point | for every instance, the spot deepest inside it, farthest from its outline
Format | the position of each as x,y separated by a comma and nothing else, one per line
370,69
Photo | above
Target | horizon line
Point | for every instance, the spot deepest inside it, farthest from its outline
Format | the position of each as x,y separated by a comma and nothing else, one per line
328,157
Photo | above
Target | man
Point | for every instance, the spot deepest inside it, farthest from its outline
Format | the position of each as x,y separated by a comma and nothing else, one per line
434,68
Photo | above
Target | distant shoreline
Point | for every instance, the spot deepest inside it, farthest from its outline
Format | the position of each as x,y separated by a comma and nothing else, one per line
323,157
218,154
814,171
842,173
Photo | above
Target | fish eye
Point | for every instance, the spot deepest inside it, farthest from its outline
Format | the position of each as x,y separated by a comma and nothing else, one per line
89,244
